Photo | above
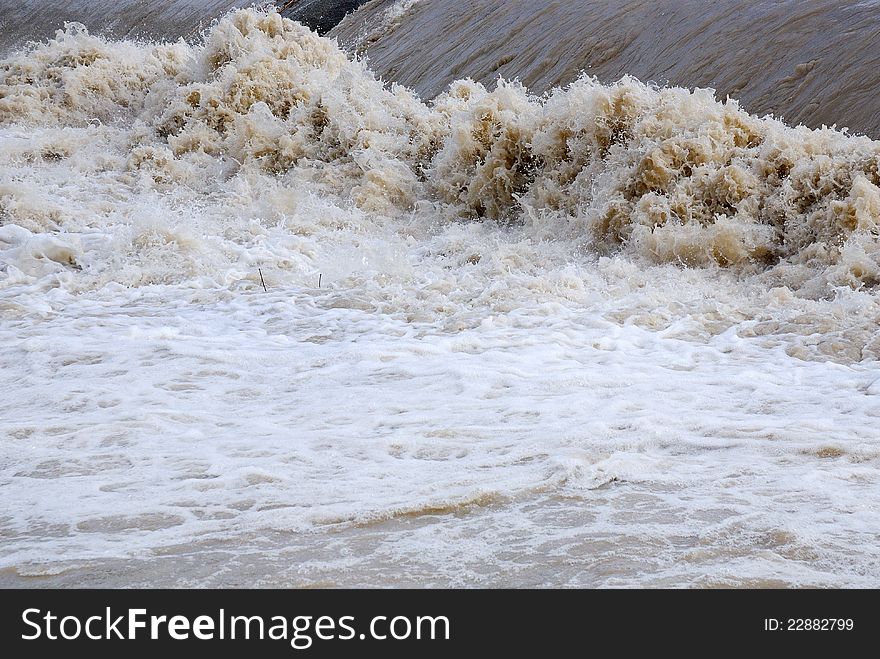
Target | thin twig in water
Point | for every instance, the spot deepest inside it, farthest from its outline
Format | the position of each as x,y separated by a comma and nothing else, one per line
262,281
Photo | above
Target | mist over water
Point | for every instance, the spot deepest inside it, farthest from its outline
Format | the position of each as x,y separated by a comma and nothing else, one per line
629,331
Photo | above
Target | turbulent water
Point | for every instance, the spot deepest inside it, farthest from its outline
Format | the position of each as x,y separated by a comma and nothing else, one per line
267,320
811,61
40,19
36,20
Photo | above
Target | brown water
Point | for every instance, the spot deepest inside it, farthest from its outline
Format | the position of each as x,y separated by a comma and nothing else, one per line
545,541
39,19
615,335
810,61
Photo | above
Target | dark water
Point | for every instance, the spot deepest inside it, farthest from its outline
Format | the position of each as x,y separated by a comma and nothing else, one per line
810,61
320,15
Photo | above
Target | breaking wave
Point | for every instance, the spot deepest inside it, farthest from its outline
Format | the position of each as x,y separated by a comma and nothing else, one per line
263,121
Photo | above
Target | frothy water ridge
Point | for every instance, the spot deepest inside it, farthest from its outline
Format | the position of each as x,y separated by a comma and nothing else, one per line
612,335
810,61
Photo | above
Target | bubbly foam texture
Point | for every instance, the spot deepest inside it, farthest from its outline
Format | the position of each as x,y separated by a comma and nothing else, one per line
521,298
667,174
264,144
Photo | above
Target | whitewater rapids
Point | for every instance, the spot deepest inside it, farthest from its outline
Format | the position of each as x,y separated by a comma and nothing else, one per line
613,335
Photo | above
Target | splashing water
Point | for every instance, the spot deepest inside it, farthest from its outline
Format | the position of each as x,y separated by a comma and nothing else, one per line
610,335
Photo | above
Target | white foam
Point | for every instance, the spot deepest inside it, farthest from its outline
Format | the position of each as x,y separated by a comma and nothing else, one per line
523,381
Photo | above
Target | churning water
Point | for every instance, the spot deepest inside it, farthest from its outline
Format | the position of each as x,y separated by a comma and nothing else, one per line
267,320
